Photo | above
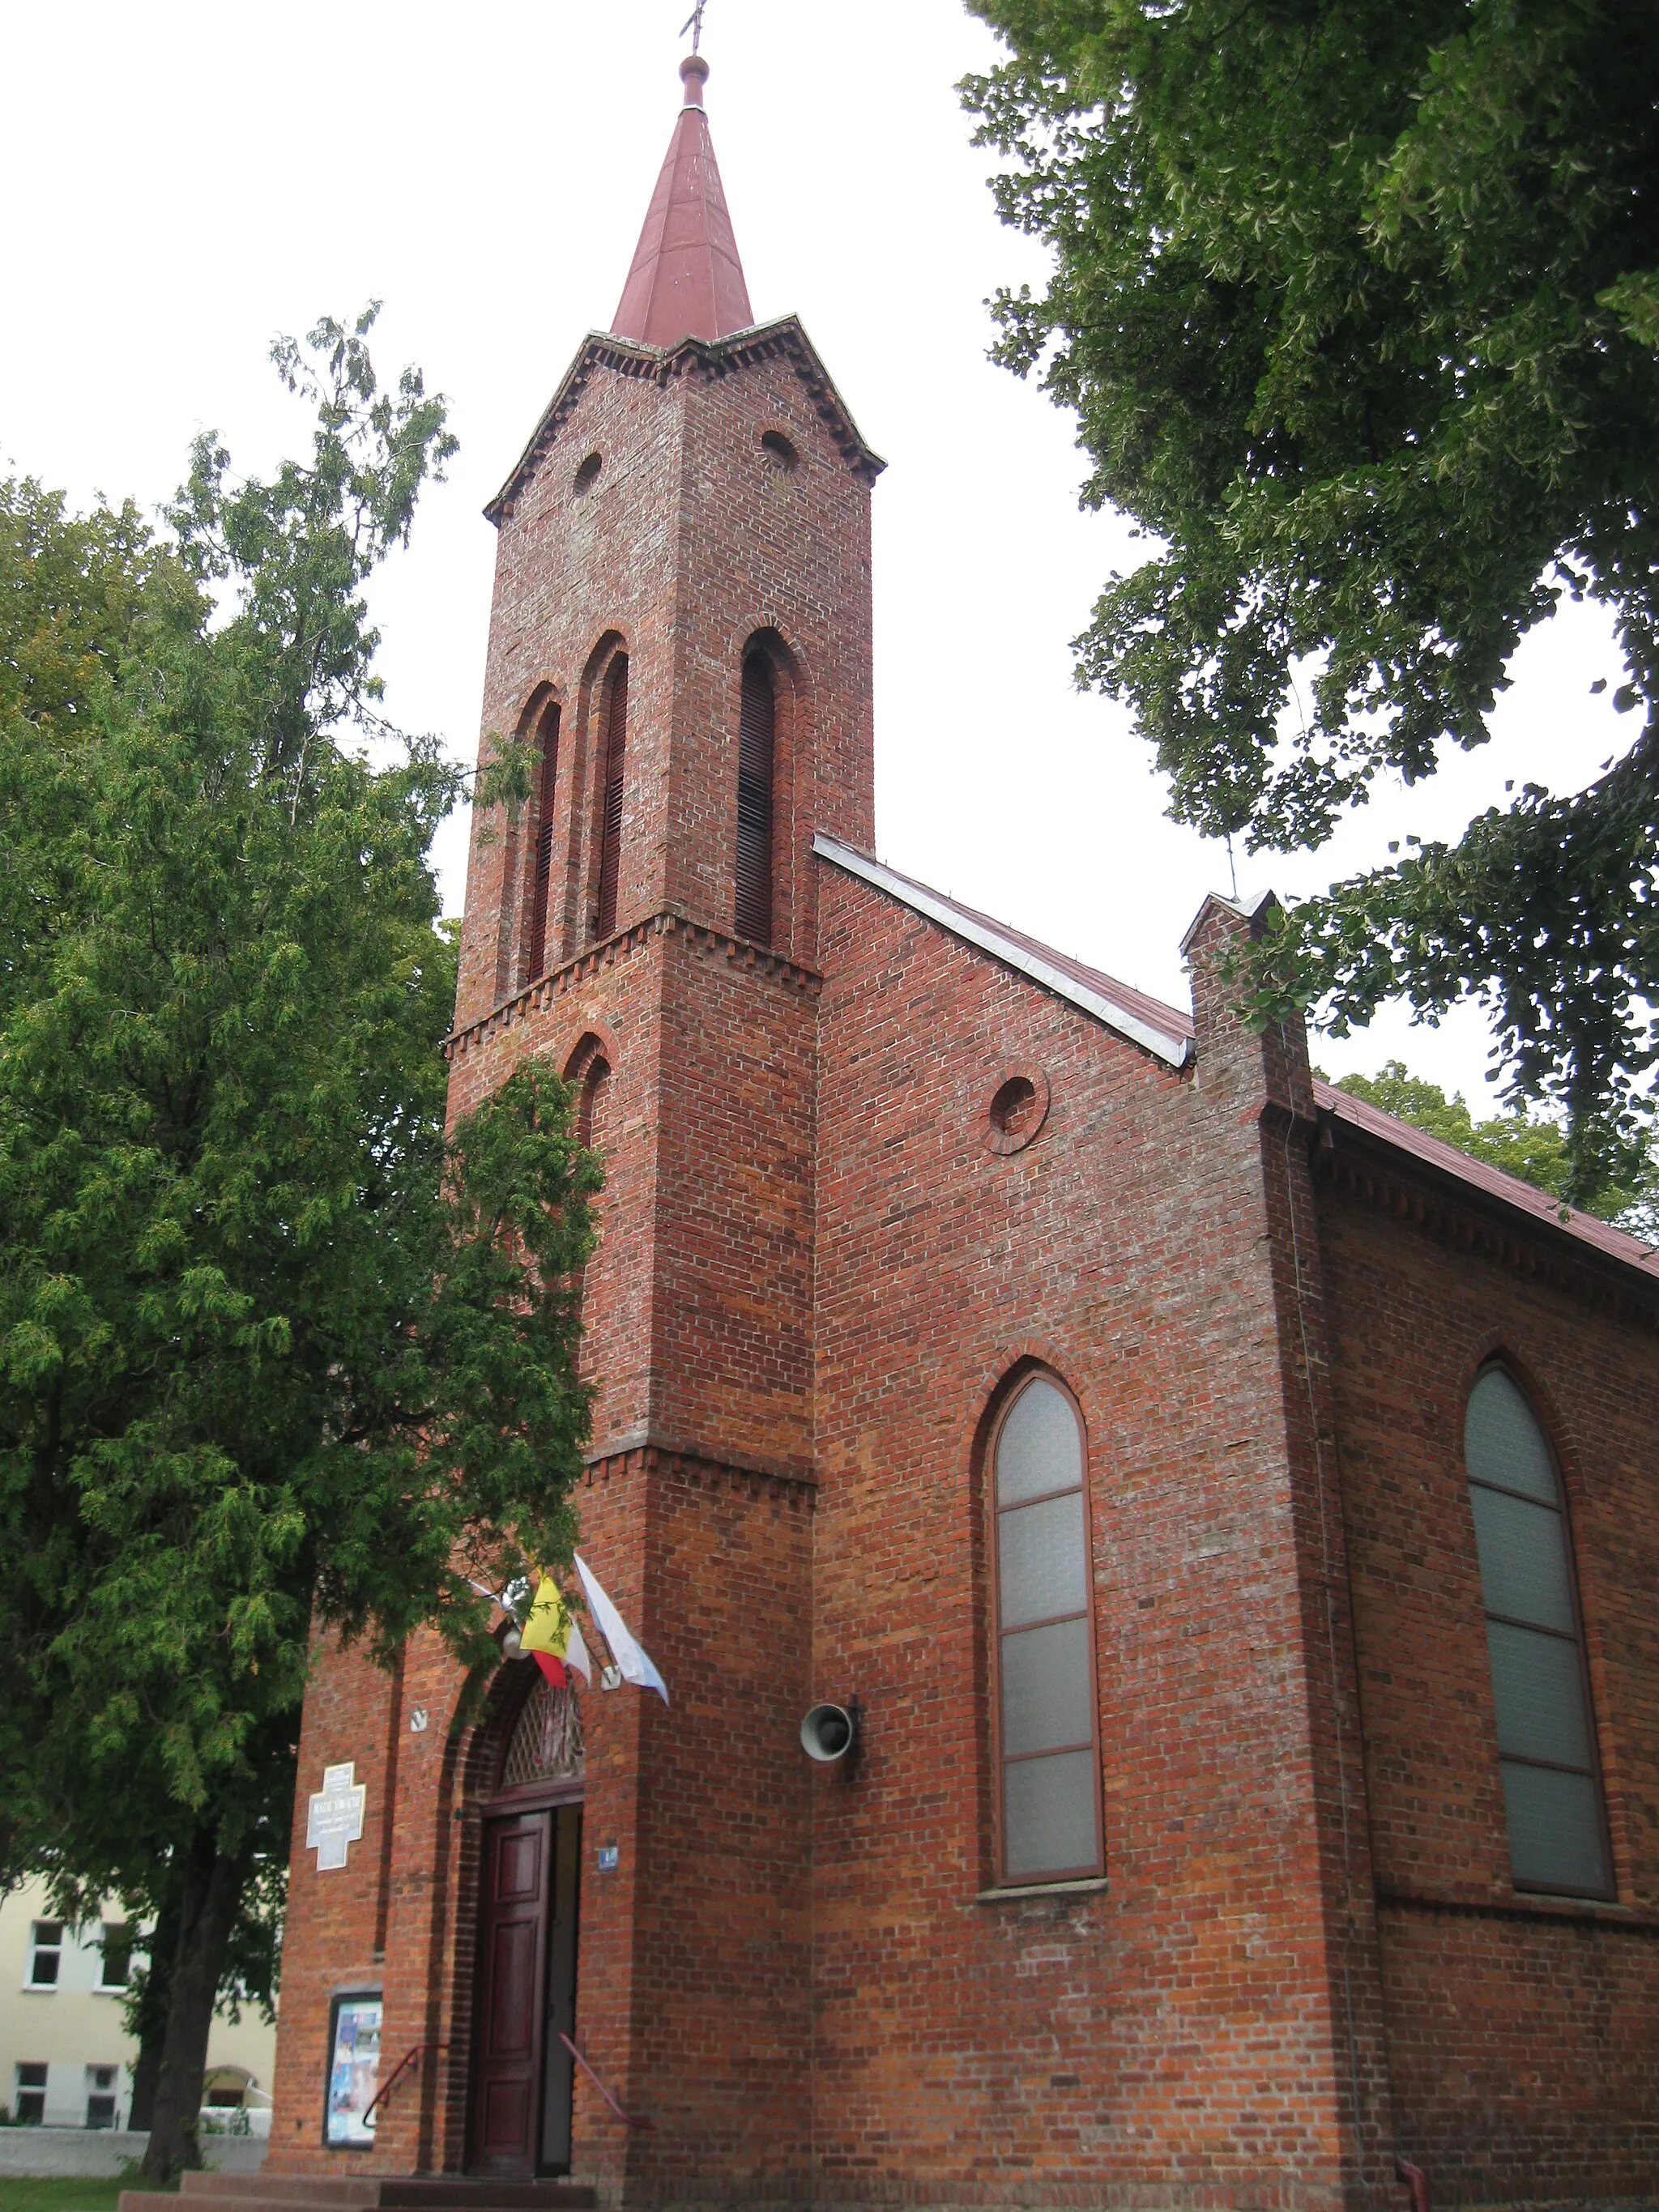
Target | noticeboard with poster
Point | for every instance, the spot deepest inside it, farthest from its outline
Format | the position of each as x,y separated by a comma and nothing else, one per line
354,2069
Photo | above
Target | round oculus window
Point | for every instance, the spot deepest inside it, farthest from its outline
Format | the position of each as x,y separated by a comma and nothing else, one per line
588,475
1019,1109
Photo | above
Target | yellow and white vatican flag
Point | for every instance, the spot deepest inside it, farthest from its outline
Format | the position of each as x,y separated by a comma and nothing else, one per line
632,1661
552,1638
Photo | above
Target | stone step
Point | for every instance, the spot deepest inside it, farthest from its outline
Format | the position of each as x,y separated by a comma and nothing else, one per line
453,2192
420,2193
291,2188
220,2192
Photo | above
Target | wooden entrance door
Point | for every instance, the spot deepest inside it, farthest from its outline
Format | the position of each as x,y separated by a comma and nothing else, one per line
521,2073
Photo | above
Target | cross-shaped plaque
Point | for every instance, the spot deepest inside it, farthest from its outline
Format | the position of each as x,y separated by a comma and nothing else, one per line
335,1819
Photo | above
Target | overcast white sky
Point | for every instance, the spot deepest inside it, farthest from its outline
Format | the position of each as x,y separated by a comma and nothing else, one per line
184,180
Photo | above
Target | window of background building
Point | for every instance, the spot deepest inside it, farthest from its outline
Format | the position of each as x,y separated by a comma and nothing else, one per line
1546,1742
28,2103
1047,1749
117,1949
102,2083
46,1954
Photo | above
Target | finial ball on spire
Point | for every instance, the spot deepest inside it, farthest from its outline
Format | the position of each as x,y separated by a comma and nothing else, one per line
686,280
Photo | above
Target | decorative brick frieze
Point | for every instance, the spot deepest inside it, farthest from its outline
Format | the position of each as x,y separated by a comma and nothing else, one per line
696,1470
707,359
1456,1217
533,997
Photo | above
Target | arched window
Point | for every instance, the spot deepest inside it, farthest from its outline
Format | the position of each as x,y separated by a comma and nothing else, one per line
1048,1747
1552,1792
590,1106
615,712
546,1744
756,738
541,891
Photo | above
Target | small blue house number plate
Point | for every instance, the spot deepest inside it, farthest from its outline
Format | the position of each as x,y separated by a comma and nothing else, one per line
608,1856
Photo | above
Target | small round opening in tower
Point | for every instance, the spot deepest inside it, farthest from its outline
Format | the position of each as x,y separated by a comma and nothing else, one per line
588,475
1019,1109
779,451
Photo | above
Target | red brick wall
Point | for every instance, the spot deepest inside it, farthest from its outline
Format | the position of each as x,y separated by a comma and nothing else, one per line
336,1926
1178,2038
1522,2030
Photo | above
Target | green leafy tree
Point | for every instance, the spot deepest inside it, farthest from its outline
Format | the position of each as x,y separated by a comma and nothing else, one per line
273,1349
1357,303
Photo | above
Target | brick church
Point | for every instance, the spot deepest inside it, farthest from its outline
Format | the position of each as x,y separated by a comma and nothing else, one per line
1229,1517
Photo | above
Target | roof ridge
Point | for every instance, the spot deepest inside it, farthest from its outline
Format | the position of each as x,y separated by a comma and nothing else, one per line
1161,1029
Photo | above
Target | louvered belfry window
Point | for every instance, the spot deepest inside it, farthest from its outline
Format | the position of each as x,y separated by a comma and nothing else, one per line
1546,1742
542,889
615,748
757,735
1047,1742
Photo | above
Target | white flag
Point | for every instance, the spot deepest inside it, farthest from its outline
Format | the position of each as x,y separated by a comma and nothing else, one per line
575,1655
630,1658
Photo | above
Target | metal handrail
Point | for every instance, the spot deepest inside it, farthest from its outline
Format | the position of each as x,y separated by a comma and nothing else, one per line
628,2119
397,2075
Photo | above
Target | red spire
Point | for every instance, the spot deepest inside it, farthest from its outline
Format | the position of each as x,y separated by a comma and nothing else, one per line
686,280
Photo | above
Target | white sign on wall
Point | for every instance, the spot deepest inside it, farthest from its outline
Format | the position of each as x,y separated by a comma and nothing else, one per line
335,1820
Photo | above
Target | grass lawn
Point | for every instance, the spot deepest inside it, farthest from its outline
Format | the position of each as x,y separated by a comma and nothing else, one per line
67,2192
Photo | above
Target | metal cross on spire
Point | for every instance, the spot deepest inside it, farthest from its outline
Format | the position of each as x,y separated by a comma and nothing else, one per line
694,24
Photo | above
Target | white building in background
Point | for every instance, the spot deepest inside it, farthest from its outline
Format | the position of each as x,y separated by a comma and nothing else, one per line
66,2060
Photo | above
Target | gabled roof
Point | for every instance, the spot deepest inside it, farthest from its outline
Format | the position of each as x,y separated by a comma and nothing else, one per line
1164,1032
686,280
1492,1182
1167,1032
603,350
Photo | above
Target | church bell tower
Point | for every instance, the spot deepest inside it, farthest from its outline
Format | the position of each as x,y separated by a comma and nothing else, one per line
682,629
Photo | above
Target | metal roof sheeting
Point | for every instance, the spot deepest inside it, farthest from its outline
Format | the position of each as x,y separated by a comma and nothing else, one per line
1435,1152
1162,1031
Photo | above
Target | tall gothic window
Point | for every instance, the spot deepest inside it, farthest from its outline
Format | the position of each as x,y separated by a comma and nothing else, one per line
757,735
1546,1742
541,891
590,1105
1048,1751
614,709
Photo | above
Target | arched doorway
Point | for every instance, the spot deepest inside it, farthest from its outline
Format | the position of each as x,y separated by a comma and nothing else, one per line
529,1900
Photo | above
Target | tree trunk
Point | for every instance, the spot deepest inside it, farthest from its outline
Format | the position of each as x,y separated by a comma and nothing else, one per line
149,2018
210,1891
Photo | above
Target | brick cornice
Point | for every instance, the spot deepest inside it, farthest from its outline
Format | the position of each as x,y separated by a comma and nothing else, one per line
602,349
691,1469
667,921
1455,1216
